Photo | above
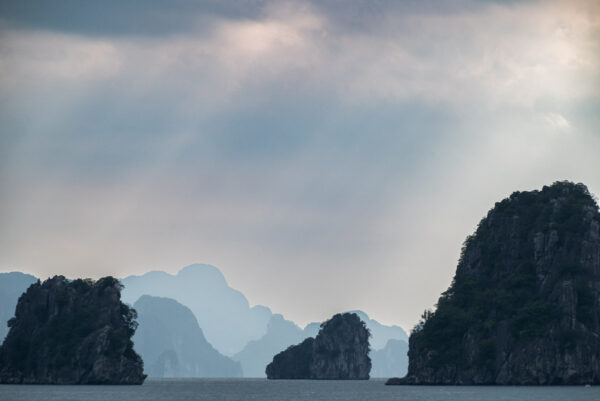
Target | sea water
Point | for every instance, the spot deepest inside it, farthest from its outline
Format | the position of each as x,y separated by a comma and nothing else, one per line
291,390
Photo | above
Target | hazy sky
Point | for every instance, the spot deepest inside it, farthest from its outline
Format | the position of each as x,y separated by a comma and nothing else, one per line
325,155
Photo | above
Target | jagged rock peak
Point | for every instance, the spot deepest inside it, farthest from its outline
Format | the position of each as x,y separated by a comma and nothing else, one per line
339,351
71,332
523,307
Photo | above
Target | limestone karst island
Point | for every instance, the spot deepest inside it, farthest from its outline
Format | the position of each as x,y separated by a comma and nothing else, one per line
523,309
340,351
71,332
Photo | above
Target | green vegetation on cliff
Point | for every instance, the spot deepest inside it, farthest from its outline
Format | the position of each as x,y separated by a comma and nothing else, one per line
71,332
340,351
523,305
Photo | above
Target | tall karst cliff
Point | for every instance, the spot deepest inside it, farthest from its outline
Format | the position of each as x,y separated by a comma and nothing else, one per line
71,332
523,307
340,351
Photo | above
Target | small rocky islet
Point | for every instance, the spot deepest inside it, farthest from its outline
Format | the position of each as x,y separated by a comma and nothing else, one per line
340,351
71,332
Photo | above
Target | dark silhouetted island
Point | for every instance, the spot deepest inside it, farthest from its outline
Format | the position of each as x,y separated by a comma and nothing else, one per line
71,332
340,351
523,306
387,358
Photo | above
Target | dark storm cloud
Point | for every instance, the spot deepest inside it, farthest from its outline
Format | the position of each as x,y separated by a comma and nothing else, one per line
158,17
128,17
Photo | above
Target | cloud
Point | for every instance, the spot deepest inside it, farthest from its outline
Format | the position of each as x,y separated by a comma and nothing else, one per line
58,58
300,140
490,55
556,121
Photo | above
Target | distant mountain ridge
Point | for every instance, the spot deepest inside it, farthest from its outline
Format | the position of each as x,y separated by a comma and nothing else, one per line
172,344
255,356
391,360
224,314
381,334
388,360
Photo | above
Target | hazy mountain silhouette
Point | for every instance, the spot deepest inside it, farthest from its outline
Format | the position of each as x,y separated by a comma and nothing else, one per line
380,334
226,318
252,335
172,344
391,360
257,354
311,329
283,333
12,285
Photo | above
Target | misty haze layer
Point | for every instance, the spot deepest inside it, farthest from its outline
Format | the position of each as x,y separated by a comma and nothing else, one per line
291,143
226,318
225,313
172,344
257,354
388,344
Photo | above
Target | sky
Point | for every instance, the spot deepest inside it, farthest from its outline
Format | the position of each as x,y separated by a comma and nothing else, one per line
324,155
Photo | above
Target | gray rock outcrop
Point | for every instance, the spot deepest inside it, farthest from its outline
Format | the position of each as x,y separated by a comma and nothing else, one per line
524,305
339,352
71,332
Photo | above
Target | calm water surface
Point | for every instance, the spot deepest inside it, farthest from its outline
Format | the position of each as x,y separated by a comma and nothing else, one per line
289,390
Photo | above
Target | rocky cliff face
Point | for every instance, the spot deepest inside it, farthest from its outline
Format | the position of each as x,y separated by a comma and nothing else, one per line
340,351
12,286
523,307
388,344
380,334
71,332
173,345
